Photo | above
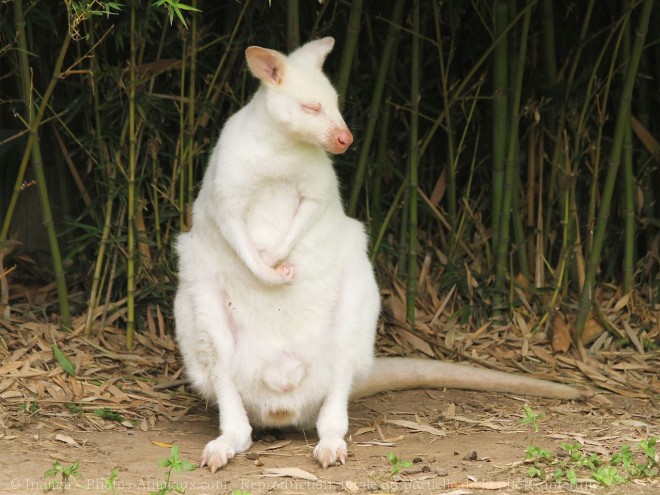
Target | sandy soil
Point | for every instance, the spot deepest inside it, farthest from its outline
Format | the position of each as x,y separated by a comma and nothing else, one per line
474,438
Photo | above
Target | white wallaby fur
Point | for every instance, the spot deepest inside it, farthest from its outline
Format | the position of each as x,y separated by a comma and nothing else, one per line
277,304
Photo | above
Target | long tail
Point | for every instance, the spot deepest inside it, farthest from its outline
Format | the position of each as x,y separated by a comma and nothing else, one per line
409,373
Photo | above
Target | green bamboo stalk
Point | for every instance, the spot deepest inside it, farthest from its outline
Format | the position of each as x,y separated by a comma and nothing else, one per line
214,91
510,165
558,152
382,167
456,238
452,159
413,165
190,124
601,111
350,44
628,178
520,241
292,24
622,120
181,160
394,205
500,113
107,222
33,152
560,273
374,107
132,164
457,93
645,95
549,53
155,193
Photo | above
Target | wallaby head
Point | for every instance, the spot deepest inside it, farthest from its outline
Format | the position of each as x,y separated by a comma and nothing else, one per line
299,97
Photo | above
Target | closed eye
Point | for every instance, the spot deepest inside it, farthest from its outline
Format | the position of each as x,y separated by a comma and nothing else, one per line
313,108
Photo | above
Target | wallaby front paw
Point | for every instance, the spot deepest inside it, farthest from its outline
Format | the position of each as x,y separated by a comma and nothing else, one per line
331,451
286,271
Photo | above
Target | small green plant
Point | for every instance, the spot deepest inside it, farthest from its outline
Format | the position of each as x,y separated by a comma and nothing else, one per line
107,413
621,467
531,419
111,482
67,475
175,464
396,464
74,408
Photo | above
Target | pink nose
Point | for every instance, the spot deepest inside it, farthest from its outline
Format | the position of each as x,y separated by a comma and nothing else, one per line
344,139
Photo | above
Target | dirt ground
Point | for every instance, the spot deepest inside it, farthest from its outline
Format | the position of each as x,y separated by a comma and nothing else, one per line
448,441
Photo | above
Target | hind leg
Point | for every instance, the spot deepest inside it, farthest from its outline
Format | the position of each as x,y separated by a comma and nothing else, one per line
355,328
206,340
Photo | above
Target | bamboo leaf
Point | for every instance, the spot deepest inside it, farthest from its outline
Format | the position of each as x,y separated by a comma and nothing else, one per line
63,361
648,140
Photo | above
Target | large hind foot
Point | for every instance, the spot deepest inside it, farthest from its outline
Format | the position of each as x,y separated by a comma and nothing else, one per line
330,452
218,452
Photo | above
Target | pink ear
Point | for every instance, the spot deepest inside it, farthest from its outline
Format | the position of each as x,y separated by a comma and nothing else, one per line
266,65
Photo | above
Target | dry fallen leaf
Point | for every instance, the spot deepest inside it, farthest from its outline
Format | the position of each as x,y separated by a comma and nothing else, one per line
561,334
592,330
481,485
411,425
351,486
278,445
363,430
66,439
419,344
162,444
292,472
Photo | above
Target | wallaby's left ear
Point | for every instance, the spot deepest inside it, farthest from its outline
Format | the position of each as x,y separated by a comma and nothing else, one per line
266,65
314,52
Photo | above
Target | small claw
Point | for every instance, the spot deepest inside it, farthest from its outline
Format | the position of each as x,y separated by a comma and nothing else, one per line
325,460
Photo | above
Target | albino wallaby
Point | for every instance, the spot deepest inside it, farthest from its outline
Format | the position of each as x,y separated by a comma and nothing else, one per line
277,304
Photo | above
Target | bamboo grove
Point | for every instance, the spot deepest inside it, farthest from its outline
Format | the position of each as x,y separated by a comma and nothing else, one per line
502,145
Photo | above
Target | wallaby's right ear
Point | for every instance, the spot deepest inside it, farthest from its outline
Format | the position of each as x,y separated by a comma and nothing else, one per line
266,65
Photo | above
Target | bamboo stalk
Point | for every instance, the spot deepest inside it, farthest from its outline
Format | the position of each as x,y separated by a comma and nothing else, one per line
413,166
214,90
350,45
374,107
181,158
394,205
33,152
467,79
549,52
510,164
190,124
500,113
558,152
292,24
102,151
628,179
452,158
622,120
382,167
132,163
